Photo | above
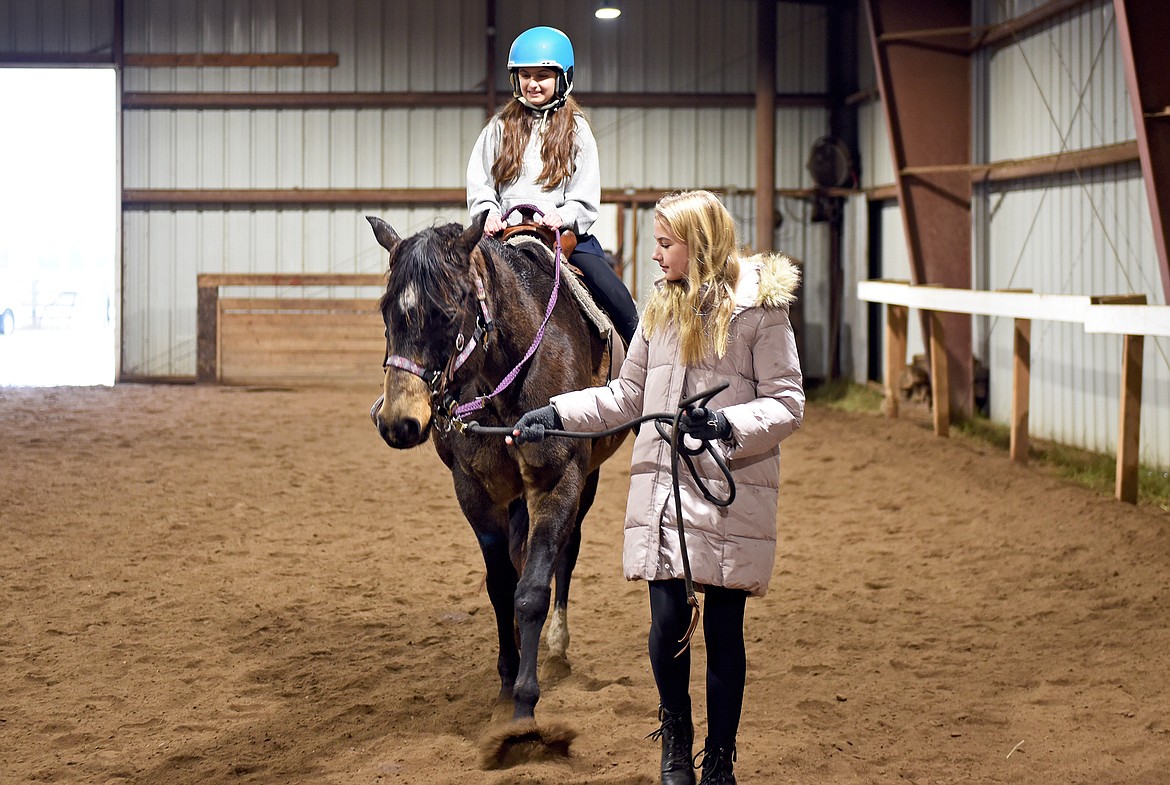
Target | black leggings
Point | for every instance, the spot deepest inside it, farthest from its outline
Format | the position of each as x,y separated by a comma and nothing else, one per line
608,290
726,661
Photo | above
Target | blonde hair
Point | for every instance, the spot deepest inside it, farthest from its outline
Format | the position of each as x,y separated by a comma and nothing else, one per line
699,305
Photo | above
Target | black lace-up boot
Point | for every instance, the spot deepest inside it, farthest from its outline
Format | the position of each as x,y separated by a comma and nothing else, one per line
678,737
717,764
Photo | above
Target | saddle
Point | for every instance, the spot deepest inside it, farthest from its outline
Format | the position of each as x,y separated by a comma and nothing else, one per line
571,276
542,233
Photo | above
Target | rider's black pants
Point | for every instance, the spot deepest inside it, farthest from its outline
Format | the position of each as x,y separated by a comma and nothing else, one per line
607,289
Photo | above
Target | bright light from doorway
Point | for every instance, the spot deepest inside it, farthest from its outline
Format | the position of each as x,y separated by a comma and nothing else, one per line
58,218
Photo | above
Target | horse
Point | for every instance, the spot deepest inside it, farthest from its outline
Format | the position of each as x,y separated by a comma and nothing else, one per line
475,326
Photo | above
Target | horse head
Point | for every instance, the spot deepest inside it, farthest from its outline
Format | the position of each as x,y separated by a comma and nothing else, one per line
429,308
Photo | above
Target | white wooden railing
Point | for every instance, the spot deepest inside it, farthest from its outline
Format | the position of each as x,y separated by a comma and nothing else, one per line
1125,315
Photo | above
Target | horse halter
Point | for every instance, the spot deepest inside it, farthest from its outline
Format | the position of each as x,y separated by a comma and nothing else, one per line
443,404
438,380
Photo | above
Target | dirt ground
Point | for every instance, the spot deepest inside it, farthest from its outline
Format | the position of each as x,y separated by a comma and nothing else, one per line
210,585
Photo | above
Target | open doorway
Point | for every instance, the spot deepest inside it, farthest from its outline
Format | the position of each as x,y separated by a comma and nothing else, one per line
58,226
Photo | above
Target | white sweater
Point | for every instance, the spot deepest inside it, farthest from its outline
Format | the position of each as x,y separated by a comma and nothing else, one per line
577,198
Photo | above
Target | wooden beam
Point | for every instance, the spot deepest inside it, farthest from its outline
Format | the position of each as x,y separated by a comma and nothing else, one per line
1060,163
206,334
765,111
215,280
1134,319
904,36
897,322
140,198
1008,31
1038,166
56,58
228,60
408,100
147,198
1130,419
939,376
983,36
1021,387
1071,308
291,100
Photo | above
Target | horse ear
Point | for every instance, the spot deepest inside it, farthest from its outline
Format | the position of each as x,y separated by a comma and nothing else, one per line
387,237
473,234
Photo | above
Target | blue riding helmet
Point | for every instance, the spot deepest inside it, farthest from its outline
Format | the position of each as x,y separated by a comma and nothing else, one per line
542,47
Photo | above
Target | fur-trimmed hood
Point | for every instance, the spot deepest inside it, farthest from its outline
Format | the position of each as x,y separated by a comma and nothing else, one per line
767,280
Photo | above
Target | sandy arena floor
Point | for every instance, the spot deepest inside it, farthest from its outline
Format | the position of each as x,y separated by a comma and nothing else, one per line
207,585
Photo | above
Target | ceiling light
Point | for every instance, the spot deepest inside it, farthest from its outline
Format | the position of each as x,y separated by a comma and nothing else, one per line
607,10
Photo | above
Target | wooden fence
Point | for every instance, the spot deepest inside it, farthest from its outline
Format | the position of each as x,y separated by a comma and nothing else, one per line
1125,315
288,340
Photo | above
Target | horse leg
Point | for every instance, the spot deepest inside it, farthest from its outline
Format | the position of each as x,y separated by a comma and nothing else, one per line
558,625
490,522
553,514
501,588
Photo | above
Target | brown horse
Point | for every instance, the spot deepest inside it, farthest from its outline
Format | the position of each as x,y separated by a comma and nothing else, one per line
470,335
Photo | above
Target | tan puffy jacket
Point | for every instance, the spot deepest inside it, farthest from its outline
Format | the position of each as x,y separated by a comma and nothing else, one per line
731,546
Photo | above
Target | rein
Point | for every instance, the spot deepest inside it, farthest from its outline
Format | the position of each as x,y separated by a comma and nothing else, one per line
438,381
677,449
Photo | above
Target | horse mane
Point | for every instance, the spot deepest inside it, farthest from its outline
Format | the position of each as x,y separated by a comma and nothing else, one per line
422,263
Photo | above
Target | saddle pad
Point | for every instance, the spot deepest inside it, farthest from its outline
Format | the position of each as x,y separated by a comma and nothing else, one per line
572,280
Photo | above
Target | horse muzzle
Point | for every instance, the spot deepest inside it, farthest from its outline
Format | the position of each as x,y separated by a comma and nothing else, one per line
401,433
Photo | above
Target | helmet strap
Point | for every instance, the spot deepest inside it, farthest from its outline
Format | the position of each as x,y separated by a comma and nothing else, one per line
564,87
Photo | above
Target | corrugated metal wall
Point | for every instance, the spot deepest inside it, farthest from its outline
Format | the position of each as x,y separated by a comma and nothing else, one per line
1056,88
58,26
676,46
1059,87
1062,88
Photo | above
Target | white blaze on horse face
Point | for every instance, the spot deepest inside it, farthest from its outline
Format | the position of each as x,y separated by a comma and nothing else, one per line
408,300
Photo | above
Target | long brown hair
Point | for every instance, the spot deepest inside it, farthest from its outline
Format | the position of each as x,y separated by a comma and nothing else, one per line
557,150
700,304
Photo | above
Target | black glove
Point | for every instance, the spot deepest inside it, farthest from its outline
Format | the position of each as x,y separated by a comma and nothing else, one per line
532,425
705,424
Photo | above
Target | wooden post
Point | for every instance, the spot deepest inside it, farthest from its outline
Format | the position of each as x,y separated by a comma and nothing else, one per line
1129,428
206,323
939,385
766,15
1021,382
897,320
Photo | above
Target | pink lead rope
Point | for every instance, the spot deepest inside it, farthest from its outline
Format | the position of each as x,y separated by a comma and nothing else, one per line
477,403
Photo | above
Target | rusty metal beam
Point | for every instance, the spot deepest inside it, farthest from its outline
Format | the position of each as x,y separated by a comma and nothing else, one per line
1141,28
765,124
232,60
195,198
408,100
927,92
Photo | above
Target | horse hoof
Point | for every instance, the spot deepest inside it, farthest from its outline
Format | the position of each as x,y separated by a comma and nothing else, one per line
524,741
555,669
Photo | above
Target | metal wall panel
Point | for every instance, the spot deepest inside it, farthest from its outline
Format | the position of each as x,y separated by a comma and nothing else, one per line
57,26
419,46
877,160
1061,88
1080,234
